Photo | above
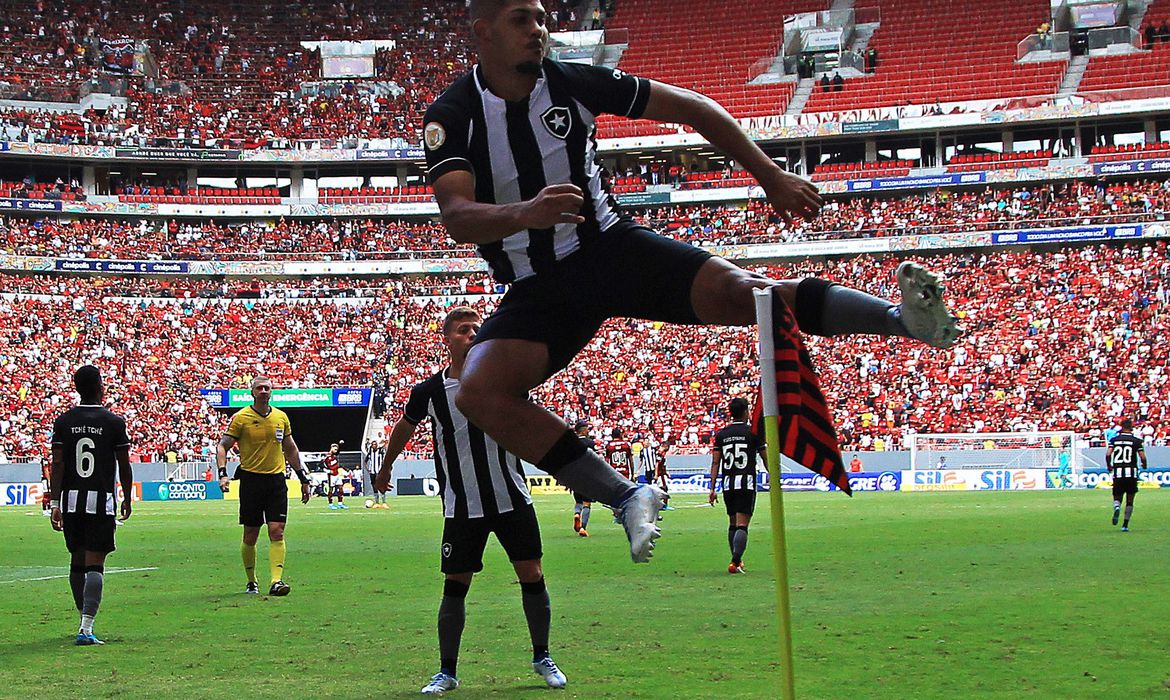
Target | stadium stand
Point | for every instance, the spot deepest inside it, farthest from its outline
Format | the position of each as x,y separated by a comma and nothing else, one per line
1056,340
929,47
942,211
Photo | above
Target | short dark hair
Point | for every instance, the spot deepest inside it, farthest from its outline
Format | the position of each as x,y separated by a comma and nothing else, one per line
88,380
1126,424
616,433
457,314
738,407
485,9
581,423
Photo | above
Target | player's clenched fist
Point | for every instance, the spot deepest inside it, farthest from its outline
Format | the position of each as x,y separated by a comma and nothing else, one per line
556,204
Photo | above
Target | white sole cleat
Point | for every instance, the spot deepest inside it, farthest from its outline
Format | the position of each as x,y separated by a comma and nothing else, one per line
923,311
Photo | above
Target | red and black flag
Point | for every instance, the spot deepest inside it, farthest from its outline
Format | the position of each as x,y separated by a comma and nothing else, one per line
807,435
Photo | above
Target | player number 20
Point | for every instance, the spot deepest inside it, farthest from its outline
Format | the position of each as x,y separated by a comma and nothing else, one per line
1123,454
85,458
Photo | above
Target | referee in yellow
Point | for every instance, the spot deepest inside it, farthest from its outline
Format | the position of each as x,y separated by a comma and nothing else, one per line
264,435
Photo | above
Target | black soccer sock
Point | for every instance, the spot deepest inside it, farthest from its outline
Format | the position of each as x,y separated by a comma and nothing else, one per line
585,517
77,583
731,530
538,612
92,595
585,472
826,308
739,544
1128,513
452,617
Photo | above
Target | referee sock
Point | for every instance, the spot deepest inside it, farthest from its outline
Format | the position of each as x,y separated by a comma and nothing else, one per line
92,596
452,617
538,612
826,308
77,583
276,553
248,554
585,472
739,544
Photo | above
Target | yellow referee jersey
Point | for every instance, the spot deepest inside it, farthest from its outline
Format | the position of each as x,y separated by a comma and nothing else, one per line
260,439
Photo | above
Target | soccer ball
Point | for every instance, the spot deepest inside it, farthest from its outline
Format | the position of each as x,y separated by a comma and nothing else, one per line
369,503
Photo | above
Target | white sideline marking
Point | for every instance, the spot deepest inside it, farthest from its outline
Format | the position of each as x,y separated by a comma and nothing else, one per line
108,571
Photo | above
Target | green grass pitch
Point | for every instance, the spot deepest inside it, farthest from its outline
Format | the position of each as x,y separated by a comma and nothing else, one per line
952,595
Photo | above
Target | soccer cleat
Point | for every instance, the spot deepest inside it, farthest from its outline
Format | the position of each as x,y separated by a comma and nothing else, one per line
440,683
253,588
583,532
1125,528
734,568
332,506
922,311
576,522
342,506
87,639
547,669
638,515
279,588
1116,515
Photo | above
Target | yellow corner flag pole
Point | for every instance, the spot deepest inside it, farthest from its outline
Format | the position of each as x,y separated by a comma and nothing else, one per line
772,436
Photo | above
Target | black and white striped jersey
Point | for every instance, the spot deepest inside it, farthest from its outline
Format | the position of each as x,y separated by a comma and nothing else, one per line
1123,461
89,437
738,447
648,459
516,149
477,478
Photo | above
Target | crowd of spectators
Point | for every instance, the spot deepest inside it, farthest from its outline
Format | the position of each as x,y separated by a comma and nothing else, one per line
942,211
235,77
1071,339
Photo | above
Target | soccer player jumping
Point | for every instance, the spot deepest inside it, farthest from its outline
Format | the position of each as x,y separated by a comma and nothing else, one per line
512,157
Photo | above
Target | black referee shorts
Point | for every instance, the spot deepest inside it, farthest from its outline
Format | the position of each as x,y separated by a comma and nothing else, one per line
464,539
1124,486
263,498
88,533
627,272
739,501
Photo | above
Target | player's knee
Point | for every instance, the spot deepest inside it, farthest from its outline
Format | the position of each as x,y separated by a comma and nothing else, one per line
471,400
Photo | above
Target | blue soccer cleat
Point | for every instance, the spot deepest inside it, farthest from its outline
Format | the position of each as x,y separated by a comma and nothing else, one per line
87,640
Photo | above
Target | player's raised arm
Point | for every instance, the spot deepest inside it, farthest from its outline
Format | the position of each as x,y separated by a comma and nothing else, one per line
790,195
399,436
469,221
292,455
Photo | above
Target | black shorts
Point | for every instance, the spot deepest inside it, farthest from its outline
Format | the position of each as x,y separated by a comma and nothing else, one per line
88,533
464,539
263,498
581,500
739,501
1124,486
627,272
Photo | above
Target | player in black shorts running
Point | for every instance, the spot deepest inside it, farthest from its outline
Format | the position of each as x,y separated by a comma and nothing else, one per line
734,459
87,442
1124,452
511,155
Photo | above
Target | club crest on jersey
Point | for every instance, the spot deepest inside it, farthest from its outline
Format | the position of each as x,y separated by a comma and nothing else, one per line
558,121
434,135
